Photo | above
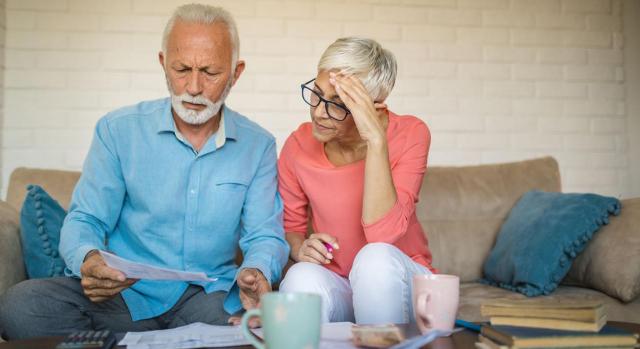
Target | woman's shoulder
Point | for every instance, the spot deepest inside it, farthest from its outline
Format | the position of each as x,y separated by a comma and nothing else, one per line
300,140
408,126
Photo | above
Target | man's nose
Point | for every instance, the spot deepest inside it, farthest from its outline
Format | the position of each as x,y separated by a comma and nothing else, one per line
194,84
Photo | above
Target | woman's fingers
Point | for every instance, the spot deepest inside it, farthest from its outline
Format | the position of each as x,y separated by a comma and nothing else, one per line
319,246
310,252
353,87
330,239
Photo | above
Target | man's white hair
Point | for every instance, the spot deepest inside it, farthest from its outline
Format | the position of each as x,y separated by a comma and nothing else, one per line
204,14
366,59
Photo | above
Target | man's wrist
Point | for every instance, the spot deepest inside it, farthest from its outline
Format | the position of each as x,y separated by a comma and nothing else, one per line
89,254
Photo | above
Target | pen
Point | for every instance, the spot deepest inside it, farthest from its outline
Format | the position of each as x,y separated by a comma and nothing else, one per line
468,325
328,246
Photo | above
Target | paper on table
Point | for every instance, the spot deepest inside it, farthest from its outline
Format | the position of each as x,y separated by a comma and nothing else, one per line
195,335
136,270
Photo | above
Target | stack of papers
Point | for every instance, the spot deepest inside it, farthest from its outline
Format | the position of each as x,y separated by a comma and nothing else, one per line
336,335
197,335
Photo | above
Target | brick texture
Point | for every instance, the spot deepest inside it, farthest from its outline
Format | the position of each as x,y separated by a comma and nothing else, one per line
496,80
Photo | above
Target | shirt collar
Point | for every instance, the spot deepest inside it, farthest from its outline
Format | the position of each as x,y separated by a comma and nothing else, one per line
166,123
221,134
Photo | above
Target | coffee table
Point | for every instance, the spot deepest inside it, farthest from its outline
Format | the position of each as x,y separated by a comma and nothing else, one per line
461,340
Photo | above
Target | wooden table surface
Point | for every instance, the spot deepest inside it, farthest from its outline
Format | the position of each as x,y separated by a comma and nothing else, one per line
461,340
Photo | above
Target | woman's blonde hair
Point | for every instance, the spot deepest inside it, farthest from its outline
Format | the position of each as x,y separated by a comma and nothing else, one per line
366,59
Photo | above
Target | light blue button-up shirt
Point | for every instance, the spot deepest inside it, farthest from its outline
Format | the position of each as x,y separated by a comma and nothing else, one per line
148,196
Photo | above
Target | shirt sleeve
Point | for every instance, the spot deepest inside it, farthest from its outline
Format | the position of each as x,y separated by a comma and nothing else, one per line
407,173
262,237
96,202
294,199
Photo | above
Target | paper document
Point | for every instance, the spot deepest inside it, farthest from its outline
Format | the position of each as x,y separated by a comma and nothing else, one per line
196,335
136,270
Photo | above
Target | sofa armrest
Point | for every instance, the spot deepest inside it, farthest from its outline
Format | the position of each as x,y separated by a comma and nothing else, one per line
11,264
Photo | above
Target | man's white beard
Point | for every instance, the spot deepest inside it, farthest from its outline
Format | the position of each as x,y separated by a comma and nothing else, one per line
194,117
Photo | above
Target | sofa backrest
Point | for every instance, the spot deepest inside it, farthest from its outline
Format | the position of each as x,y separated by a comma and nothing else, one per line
462,208
59,184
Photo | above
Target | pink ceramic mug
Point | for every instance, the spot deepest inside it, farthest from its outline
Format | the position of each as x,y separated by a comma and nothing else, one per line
435,301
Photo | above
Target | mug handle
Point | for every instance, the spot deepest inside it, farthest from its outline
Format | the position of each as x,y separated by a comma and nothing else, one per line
424,319
246,331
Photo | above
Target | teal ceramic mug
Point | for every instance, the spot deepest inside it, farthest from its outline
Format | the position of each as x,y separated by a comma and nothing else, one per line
289,321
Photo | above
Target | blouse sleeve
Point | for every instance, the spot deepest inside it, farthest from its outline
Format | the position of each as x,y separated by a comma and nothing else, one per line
293,197
407,174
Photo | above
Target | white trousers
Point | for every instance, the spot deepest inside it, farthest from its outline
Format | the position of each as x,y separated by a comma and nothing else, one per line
378,290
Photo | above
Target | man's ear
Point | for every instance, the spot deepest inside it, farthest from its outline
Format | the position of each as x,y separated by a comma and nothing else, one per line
238,71
161,59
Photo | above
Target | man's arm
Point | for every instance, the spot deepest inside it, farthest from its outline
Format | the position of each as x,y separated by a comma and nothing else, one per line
96,202
262,241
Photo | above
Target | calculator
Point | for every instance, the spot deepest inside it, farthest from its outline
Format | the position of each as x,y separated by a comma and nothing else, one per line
88,339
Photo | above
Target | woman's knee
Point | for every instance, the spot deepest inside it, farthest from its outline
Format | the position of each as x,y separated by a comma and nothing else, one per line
378,261
303,277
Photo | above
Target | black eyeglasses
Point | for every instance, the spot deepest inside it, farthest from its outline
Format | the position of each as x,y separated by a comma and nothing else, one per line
313,98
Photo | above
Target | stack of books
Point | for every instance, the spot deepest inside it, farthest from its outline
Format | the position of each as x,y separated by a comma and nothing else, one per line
584,315
550,323
510,337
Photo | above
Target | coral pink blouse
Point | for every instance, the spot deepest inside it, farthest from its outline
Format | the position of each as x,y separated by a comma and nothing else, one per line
311,185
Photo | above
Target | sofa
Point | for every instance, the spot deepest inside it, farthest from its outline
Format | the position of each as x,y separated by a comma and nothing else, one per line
461,210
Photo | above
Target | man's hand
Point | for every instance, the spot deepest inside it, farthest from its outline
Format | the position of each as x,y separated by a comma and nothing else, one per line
252,285
100,282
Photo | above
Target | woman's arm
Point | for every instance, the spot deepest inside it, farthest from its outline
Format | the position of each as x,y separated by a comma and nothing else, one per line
389,196
379,192
295,241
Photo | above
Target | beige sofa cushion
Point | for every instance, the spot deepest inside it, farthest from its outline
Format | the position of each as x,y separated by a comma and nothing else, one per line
462,208
611,261
12,266
59,184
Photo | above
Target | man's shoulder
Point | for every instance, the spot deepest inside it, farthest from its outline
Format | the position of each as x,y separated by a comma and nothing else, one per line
248,127
141,110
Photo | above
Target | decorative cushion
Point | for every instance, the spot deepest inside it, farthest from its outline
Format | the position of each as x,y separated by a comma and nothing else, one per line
610,263
40,221
542,235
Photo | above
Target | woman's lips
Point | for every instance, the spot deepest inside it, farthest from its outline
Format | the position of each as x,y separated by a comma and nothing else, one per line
321,127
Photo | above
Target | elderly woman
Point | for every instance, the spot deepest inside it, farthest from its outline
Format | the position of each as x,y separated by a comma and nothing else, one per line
355,172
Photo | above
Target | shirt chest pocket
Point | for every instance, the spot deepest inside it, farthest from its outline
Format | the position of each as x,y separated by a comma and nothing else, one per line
229,196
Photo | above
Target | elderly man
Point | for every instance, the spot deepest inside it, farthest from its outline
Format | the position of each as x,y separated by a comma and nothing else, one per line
178,183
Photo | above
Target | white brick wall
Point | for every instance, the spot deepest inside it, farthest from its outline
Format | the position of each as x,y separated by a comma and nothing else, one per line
3,60
496,80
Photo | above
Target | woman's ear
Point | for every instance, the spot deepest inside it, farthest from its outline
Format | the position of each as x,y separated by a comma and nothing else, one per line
380,105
